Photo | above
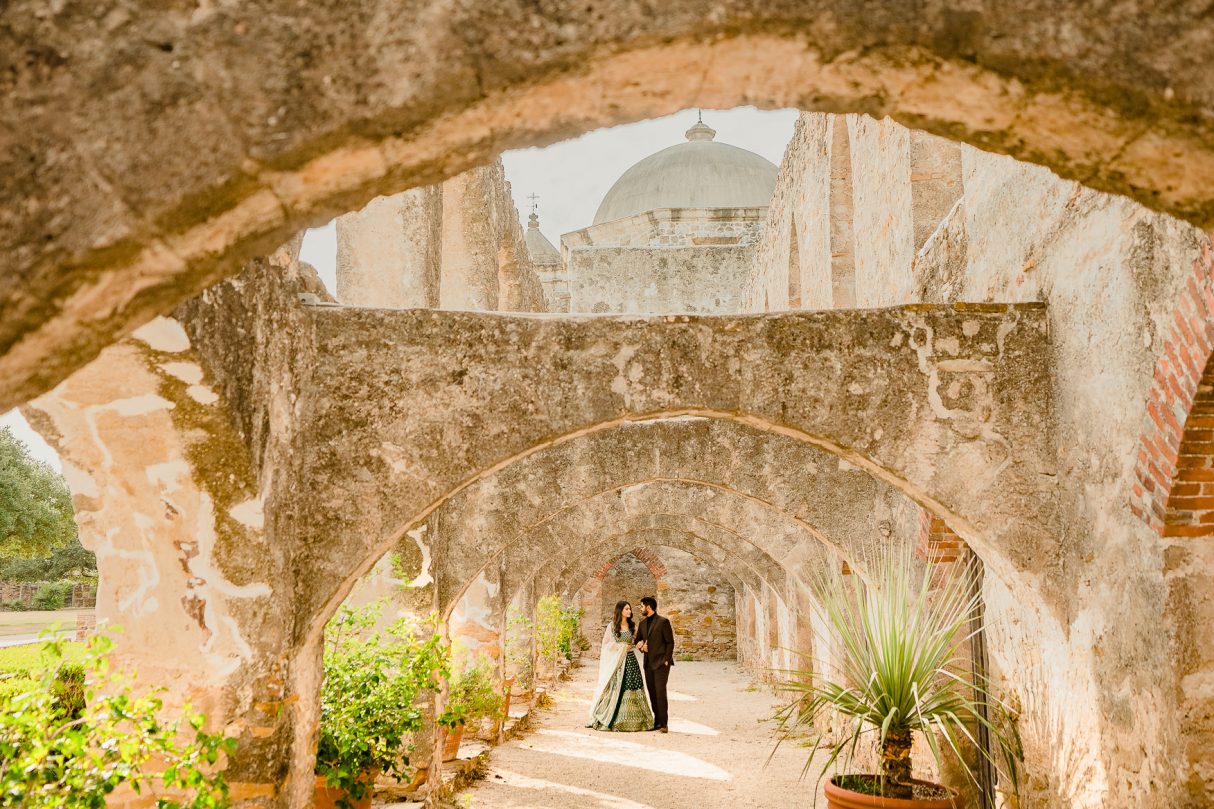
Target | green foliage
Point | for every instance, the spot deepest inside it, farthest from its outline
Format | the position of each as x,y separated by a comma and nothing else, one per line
35,504
33,657
52,596
896,626
549,627
55,756
68,563
571,623
519,629
474,694
556,626
369,699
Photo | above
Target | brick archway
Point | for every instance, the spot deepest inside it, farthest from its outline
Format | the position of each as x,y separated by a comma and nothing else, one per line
1174,495
651,560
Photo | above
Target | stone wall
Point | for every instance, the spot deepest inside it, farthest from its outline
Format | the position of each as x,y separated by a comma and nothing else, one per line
692,593
81,595
458,245
673,227
1123,290
636,280
700,604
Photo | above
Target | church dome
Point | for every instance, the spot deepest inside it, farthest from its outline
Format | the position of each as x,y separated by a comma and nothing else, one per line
541,250
700,173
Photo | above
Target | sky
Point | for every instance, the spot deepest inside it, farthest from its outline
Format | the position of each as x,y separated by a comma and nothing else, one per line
570,178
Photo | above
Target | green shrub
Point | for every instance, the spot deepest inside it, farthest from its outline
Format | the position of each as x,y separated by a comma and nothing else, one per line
51,760
14,606
474,694
369,699
519,629
571,623
53,596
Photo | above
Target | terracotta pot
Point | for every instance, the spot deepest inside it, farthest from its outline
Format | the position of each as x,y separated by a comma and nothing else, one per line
451,745
327,796
839,798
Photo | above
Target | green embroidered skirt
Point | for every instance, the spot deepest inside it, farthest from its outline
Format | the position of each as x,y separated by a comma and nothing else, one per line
631,711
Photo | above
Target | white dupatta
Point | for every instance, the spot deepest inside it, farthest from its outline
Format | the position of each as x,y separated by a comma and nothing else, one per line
611,669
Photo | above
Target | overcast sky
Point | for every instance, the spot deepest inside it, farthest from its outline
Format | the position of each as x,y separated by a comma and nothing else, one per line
570,178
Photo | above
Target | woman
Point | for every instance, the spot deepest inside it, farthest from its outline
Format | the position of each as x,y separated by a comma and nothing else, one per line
619,701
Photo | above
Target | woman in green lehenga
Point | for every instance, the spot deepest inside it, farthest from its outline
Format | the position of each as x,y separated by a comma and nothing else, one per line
620,701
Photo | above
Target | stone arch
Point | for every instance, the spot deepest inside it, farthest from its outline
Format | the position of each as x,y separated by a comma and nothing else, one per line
1174,495
650,559
141,223
524,387
778,532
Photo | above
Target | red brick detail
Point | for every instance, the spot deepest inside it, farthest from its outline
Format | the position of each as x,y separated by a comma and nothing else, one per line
651,560
1173,490
937,542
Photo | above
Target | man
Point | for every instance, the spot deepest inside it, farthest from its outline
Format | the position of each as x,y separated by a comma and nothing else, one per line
655,639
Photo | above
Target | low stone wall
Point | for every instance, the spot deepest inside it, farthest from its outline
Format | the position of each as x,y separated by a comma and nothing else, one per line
82,596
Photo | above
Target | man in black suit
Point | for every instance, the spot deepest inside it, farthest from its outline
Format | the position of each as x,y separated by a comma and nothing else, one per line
656,639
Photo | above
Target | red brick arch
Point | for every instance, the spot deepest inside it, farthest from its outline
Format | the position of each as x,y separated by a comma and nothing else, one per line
1172,461
651,560
1174,495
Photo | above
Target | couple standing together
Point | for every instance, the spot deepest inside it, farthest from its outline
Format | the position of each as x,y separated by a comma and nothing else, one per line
619,701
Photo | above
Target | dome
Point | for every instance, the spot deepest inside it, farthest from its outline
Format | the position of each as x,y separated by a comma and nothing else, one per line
541,250
700,173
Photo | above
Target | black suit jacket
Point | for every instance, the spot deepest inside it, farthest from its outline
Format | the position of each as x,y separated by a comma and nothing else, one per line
657,632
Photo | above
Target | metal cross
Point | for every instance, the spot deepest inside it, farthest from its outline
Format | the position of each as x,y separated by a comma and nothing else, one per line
534,202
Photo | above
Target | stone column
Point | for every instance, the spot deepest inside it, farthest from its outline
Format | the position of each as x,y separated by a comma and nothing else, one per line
388,254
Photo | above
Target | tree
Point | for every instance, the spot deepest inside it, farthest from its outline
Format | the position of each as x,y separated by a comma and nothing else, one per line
36,515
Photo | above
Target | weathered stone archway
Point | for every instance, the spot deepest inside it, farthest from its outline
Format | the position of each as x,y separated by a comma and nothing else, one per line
524,384
108,227
362,425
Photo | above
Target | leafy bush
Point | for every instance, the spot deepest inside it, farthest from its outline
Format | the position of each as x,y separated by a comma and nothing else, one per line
571,636
474,694
519,635
556,626
49,760
14,606
369,699
549,628
53,596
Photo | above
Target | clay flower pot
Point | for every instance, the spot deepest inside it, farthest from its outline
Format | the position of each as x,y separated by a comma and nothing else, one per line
451,745
327,796
840,798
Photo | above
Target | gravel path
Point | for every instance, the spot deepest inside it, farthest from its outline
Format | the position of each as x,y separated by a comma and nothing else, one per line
714,755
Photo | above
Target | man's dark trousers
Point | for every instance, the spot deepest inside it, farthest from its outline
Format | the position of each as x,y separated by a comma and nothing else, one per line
655,682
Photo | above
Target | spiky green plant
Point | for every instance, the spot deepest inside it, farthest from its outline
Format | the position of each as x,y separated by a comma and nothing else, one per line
896,627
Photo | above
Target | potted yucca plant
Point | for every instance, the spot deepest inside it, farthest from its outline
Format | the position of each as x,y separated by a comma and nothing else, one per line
896,625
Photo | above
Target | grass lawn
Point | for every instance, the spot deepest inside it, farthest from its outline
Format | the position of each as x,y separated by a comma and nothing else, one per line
17,658
22,624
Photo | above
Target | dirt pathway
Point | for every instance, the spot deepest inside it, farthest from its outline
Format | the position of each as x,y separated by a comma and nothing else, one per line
713,757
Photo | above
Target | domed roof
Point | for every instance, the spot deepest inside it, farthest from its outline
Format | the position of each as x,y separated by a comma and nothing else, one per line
700,173
541,250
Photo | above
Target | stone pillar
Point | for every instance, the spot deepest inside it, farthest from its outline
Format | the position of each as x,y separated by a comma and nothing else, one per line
166,496
388,254
842,240
469,246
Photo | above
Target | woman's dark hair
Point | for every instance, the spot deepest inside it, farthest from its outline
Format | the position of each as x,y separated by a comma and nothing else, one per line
619,613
